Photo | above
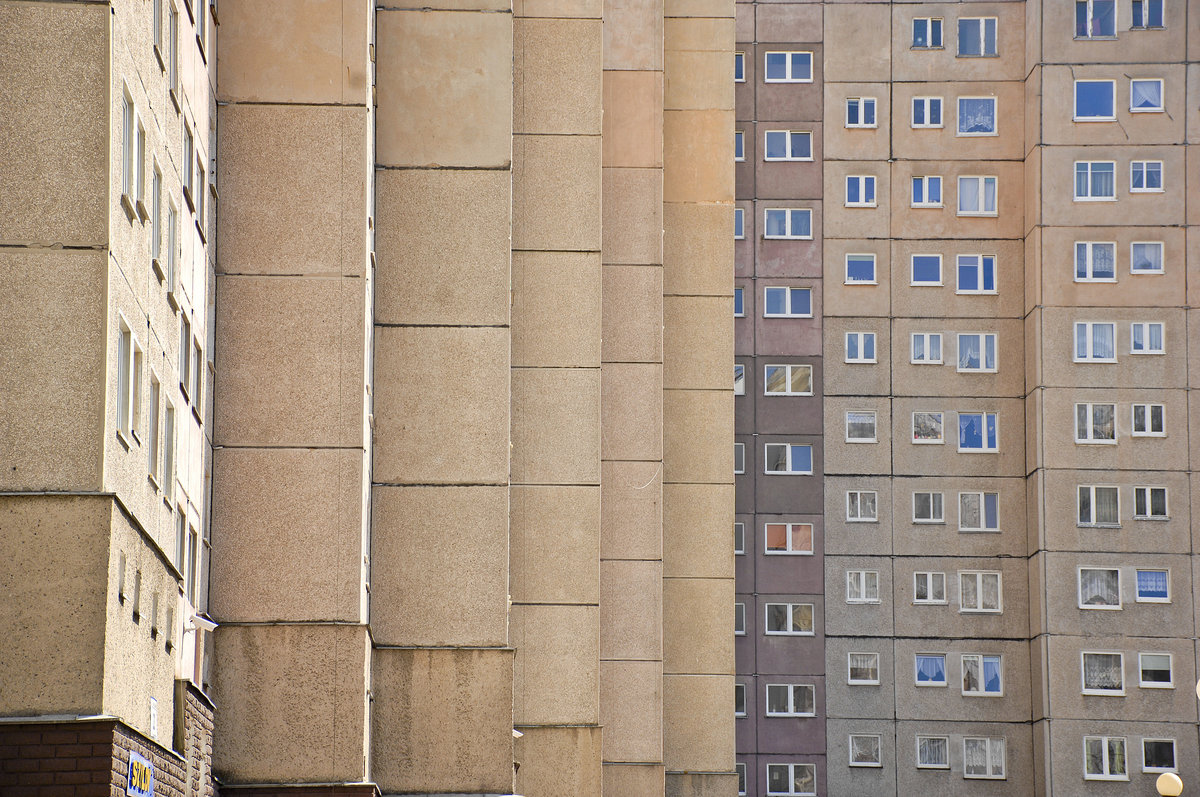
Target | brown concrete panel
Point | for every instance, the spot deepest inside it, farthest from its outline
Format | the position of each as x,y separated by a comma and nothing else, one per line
743,20
844,457
1129,46
633,35
293,703
556,309
706,33
1193,92
631,411
1065,748
633,314
696,80
438,574
556,192
697,248
698,722
697,784
855,378
1126,452
554,543
1058,100
631,510
428,271
1132,535
631,710
796,22
916,620
692,457
633,216
1144,370
864,619
698,8
633,107
556,678
640,780
460,395
860,298
465,93
698,156
557,75
697,342
697,519
856,39
844,221
556,760
631,610
556,426
928,379
945,460
945,143
945,64
944,301
948,537
696,625
784,180
1060,209
857,143
442,720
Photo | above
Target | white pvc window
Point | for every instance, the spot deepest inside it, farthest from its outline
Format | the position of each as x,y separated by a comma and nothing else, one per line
789,67
1145,96
928,427
860,112
977,196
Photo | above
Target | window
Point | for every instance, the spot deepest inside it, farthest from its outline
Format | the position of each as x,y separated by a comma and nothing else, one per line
189,155
153,432
129,145
1095,423
1095,261
173,53
201,193
788,458
791,779
978,511
1095,342
862,586
739,538
739,303
977,36
172,251
983,757
168,461
789,538
197,378
1103,674
791,700
788,223
741,774
931,669
980,591
977,352
926,269
1145,177
864,750
981,675
739,619
927,33
860,269
1145,96
789,67
739,458
157,27
1099,588
928,427
1150,503
185,356
1095,100
862,506
1095,19
860,191
929,587
739,379
788,145
1099,506
860,426
201,26
928,507
739,224
124,378
739,67
1146,257
927,112
977,431
739,700
1148,420
976,116
927,193
1155,669
1094,180
933,752
1158,755
787,380
794,619
860,347
976,274
926,349
156,216
739,145
860,112
783,302
1104,757
1153,586
1147,14
863,669
1146,337
977,196
140,169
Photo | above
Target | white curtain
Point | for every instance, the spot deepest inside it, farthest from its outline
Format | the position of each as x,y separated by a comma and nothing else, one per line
1145,94
932,751
1106,505
968,195
968,351
989,195
864,749
1098,588
1102,671
975,757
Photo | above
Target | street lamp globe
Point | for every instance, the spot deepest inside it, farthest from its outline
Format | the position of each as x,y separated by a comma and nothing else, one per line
1169,785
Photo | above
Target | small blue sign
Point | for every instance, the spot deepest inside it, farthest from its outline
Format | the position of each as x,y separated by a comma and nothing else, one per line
141,777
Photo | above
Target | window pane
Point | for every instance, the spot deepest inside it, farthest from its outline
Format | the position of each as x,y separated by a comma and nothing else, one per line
976,115
1094,99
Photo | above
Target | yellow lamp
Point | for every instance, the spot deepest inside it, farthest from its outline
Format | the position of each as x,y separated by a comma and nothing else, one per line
1169,785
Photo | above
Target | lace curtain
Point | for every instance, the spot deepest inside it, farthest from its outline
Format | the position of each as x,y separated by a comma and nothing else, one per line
976,116
864,749
1145,94
1098,588
1102,671
933,751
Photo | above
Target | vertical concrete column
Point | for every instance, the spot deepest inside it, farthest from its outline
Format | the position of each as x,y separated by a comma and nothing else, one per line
631,503
442,665
555,493
293,305
698,587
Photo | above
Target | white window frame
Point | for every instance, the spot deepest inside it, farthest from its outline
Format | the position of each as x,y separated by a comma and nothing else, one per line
850,680
925,181
739,618
864,257
125,380
1148,492
1148,426
789,372
739,459
912,275
862,103
1090,168
862,586
945,745
987,340
172,253
1146,167
1133,269
1089,329
739,701
1143,683
1174,756
788,460
1088,250
995,117
186,173
861,337
792,610
792,704
979,576
1137,586
878,759
129,145
936,503
1088,34
983,26
1106,772
854,506
930,27
1146,328
156,214
168,460
790,293
945,682
739,538
1092,504
739,224
930,417
788,234
926,106
990,742
1086,434
985,448
1094,690
983,264
790,530
866,186
791,779
740,769
982,658
863,419
1112,85
739,300
1098,606
1143,6
1162,95
787,145
983,498
739,145
789,67
980,191
927,340
739,379
739,67
154,431
173,54
140,166
930,577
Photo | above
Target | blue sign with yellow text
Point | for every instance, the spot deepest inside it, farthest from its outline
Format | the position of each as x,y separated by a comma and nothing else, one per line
141,777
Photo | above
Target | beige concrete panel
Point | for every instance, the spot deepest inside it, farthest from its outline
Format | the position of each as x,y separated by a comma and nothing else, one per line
946,460
698,722
948,536
438,566
936,703
556,192
946,222
844,457
1058,98
696,626
631,406
1035,346
1192,177
1126,452
556,760
293,513
697,784
950,622
294,202
1034,214
1132,535
944,143
465,92
697,342
698,8
428,271
633,216
923,301
697,248
631,710
556,309
1035,438
1059,208
1144,370
1033,269
634,779
631,610
846,536
697,79
944,379
557,75
442,720
1128,47
712,33
633,314
52,429
557,677
631,510
856,42
289,360
633,108
923,65
633,35
1193,93
294,703
860,298
857,143
696,522
554,543
856,379
698,156
842,221
1193,322
687,455
55,160
573,9
556,426
1034,111
460,396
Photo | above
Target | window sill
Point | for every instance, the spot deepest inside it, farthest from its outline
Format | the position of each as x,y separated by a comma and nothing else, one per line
787,553
787,237
927,284
787,80
130,209
861,362
925,362
1157,518
860,282
857,441
142,211
925,206
123,440
1145,271
861,205
1095,279
200,231
979,451
1100,38
1086,119
931,685
929,603
928,127
153,482
1095,442
977,55
1147,190
156,266
162,63
861,127
785,160
187,197
990,214
787,473
174,95
961,134
927,47
1095,199
1146,353
1148,110
929,442
978,531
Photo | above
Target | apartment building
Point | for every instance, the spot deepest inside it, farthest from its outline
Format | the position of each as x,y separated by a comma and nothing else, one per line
962,375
